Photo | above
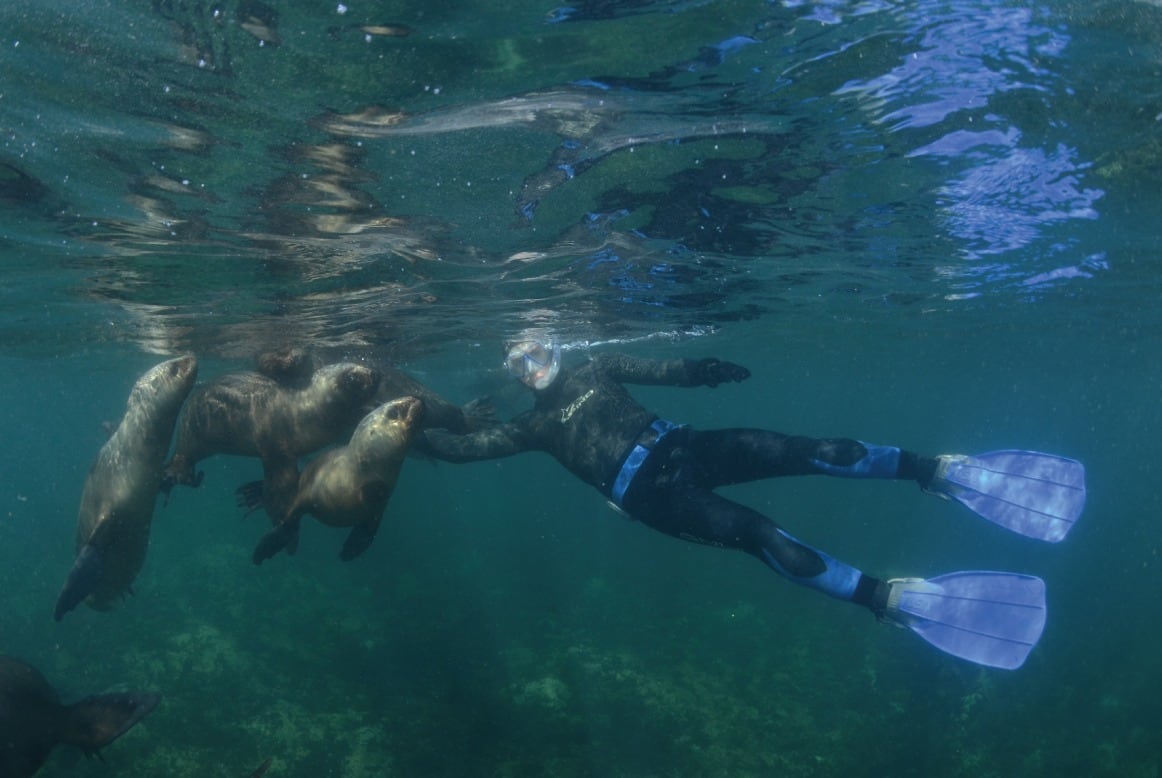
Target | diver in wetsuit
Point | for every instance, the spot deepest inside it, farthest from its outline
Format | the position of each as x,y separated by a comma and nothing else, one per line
664,475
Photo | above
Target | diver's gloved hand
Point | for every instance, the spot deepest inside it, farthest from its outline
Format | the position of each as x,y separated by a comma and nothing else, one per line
712,372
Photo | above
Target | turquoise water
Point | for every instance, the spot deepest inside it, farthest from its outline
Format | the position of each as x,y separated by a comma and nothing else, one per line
930,224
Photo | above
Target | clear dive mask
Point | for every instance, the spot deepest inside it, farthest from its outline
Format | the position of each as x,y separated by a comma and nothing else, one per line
534,363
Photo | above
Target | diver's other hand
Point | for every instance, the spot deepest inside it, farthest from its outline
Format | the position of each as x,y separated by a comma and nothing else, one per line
712,372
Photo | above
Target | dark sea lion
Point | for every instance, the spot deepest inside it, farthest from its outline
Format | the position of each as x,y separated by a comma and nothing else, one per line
121,489
350,486
33,721
251,414
292,366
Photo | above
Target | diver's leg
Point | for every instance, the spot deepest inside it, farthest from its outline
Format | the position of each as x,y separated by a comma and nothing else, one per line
700,516
732,456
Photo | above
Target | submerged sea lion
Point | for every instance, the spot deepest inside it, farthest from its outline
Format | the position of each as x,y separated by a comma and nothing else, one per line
294,366
350,486
121,489
438,412
33,721
251,414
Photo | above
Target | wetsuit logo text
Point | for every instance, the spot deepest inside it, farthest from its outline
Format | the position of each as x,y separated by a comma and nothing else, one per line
568,411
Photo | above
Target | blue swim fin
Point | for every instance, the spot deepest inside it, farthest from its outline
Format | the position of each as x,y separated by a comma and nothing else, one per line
1027,492
989,618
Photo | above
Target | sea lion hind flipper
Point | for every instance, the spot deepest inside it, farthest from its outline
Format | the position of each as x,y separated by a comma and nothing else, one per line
82,581
359,540
250,496
292,544
179,471
97,721
278,539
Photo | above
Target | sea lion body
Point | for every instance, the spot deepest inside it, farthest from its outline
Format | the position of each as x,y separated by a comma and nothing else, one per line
33,721
121,488
251,414
294,366
350,486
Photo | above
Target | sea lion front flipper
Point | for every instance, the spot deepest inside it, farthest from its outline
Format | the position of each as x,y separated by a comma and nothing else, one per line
97,721
82,581
359,539
279,538
250,496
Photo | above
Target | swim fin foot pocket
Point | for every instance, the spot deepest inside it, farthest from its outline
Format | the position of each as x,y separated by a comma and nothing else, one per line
1037,495
990,618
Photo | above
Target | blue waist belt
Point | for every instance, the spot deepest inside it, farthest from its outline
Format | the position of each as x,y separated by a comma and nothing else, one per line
652,435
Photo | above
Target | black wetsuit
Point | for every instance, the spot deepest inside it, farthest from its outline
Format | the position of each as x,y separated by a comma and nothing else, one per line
664,475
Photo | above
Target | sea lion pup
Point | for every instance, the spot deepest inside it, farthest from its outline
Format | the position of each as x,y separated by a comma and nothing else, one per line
293,366
33,721
438,412
250,414
121,489
350,486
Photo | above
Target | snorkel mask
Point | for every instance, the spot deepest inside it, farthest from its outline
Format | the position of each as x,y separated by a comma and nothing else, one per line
534,363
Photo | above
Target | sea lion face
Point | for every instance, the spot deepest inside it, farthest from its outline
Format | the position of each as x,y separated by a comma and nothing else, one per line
345,385
388,429
292,365
164,387
33,720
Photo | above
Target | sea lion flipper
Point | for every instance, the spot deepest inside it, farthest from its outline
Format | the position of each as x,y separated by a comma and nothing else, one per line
292,543
278,539
359,539
250,496
82,581
97,721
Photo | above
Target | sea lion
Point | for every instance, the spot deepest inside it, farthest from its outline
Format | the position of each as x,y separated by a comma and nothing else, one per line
438,412
350,486
293,366
33,721
251,414
121,489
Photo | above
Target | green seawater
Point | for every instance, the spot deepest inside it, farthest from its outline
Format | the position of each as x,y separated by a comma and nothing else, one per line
931,225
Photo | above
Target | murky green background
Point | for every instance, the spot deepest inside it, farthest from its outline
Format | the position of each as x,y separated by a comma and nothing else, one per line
928,225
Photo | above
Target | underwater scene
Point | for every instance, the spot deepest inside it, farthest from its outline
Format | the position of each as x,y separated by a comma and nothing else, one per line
930,226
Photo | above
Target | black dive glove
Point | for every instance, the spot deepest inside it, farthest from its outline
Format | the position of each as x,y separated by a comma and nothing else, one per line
712,372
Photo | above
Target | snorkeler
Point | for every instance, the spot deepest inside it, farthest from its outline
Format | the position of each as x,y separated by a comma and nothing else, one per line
664,475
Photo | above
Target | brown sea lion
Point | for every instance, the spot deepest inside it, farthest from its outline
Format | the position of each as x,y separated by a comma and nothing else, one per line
33,721
438,412
121,489
250,414
294,366
350,486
